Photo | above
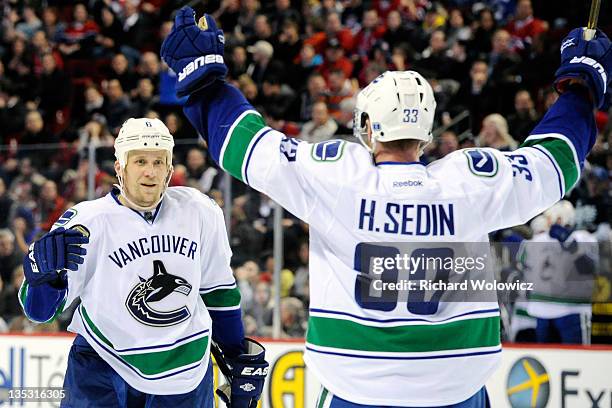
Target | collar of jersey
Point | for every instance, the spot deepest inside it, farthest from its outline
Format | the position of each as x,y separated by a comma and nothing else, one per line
397,163
114,193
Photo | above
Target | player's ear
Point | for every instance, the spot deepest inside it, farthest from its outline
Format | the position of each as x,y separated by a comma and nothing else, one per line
117,168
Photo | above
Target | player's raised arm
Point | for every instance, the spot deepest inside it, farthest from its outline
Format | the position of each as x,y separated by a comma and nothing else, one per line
237,137
510,188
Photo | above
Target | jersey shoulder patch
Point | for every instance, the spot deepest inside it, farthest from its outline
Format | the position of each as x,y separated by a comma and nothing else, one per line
328,151
481,162
66,217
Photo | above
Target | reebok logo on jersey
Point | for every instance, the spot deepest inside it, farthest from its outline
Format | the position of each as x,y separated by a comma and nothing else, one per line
594,64
199,62
255,371
408,183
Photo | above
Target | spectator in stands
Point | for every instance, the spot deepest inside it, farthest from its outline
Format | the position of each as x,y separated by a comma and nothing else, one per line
396,34
111,34
227,15
339,90
287,52
79,37
476,94
260,309
262,57
333,29
524,118
246,19
6,202
54,92
524,27
237,62
371,31
199,175
456,29
276,97
262,31
121,70
494,133
483,35
149,67
53,28
18,66
144,99
35,133
30,23
302,277
335,59
9,299
281,14
293,319
301,109
10,256
321,127
117,106
135,30
447,143
50,205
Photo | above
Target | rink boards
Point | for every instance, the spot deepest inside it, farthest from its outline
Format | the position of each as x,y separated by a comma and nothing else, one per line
554,376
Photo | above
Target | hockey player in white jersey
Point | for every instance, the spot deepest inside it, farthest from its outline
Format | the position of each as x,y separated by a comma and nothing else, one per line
562,264
383,353
150,265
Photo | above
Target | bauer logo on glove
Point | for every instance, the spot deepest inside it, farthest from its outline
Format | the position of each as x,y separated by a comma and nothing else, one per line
194,52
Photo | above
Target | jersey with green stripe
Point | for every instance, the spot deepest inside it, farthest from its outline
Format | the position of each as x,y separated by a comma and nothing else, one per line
147,286
563,274
388,355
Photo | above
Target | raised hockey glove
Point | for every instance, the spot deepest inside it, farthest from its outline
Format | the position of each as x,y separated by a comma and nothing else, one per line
52,253
588,62
245,374
194,52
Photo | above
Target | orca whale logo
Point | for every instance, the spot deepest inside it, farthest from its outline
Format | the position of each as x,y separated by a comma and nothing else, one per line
154,289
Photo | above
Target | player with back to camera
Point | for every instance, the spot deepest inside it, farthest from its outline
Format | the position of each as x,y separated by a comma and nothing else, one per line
150,264
368,353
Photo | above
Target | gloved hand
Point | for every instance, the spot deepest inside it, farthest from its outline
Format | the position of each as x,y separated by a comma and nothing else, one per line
246,377
53,252
588,62
194,52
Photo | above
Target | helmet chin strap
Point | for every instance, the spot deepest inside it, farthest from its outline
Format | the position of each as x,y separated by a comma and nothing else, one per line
135,206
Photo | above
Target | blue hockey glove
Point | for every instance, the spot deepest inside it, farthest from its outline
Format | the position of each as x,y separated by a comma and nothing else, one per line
245,374
53,252
589,62
194,52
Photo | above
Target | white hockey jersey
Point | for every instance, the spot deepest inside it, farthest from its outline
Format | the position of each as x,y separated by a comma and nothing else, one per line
563,274
395,357
144,285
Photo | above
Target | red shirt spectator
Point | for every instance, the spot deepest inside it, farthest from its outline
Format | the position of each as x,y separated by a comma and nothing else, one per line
335,59
524,27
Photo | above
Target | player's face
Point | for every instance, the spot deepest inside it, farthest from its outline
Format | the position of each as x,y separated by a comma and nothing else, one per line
144,176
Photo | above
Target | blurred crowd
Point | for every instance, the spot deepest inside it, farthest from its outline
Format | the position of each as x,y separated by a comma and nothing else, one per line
72,72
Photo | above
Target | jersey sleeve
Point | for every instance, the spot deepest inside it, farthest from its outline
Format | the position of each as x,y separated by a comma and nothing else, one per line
44,303
510,188
218,287
267,160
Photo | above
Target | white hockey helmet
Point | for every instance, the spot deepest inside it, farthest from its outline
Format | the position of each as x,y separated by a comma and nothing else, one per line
399,105
562,213
143,134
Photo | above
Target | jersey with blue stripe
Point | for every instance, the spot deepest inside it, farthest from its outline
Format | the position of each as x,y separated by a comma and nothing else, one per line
150,290
388,355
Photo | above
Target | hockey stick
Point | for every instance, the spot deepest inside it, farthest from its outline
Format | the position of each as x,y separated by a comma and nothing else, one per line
589,33
220,360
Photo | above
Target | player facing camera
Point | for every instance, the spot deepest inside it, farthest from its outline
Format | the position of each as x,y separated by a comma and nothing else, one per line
156,289
143,150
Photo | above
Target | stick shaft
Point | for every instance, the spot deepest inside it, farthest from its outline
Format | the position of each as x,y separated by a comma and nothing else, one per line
594,14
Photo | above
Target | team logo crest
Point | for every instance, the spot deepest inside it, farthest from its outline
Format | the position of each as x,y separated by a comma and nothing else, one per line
155,289
328,151
248,387
481,162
